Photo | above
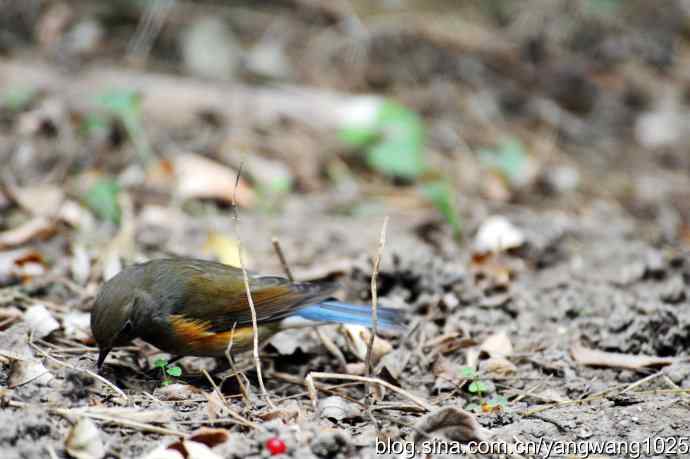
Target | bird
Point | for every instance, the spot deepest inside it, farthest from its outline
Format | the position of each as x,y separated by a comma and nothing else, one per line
193,307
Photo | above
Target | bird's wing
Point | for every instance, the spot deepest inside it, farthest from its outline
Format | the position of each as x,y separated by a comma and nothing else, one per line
218,298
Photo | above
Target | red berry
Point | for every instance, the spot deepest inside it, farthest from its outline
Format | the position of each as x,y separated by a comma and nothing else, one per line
276,446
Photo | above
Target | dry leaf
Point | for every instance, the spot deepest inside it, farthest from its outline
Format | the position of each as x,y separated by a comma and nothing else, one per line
40,200
592,357
84,441
357,338
198,177
288,341
288,411
454,423
497,234
197,446
24,371
497,345
498,366
80,264
36,228
393,364
40,321
338,408
77,326
20,264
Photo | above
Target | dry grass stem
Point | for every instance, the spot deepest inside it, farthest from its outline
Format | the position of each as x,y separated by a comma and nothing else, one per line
417,400
247,289
80,370
375,296
233,414
281,257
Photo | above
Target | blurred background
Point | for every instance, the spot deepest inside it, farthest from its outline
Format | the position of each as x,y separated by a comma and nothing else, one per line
532,157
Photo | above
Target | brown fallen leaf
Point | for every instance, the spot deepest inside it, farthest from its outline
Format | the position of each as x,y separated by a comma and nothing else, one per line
455,424
38,228
497,345
24,371
84,441
198,177
593,357
197,446
357,338
20,264
498,366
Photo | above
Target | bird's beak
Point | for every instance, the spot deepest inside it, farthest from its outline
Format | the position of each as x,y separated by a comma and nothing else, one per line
102,354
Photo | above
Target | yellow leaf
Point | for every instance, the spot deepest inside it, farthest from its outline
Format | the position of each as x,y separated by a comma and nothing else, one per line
227,250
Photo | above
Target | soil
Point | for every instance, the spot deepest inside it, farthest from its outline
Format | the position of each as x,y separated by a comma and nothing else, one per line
604,264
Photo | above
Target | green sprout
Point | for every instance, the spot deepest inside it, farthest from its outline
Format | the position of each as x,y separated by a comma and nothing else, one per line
393,144
167,369
125,106
478,389
102,199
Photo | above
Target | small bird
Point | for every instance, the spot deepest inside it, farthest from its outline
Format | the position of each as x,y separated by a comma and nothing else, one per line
190,307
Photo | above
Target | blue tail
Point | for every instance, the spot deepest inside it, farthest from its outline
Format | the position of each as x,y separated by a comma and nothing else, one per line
344,313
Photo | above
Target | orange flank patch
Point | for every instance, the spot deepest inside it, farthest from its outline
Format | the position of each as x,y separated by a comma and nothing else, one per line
196,335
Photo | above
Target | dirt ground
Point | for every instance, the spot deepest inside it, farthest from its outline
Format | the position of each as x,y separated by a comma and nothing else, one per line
571,324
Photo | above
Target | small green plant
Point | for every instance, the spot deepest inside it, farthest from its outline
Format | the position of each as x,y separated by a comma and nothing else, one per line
167,370
442,195
102,199
393,141
509,159
393,144
478,389
125,106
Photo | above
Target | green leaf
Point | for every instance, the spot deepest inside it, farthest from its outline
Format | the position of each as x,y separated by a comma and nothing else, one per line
166,382
160,363
393,143
102,200
468,372
509,159
477,387
442,196
174,371
358,136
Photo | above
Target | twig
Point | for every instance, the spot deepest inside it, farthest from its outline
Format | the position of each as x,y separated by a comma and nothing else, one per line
418,401
250,300
641,381
231,412
281,257
68,413
231,361
82,370
375,296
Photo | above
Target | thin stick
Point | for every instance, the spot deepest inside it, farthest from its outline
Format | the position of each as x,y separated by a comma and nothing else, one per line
68,413
418,401
375,296
250,300
231,412
82,370
281,257
231,361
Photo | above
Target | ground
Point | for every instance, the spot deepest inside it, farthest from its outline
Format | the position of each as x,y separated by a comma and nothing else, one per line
121,138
